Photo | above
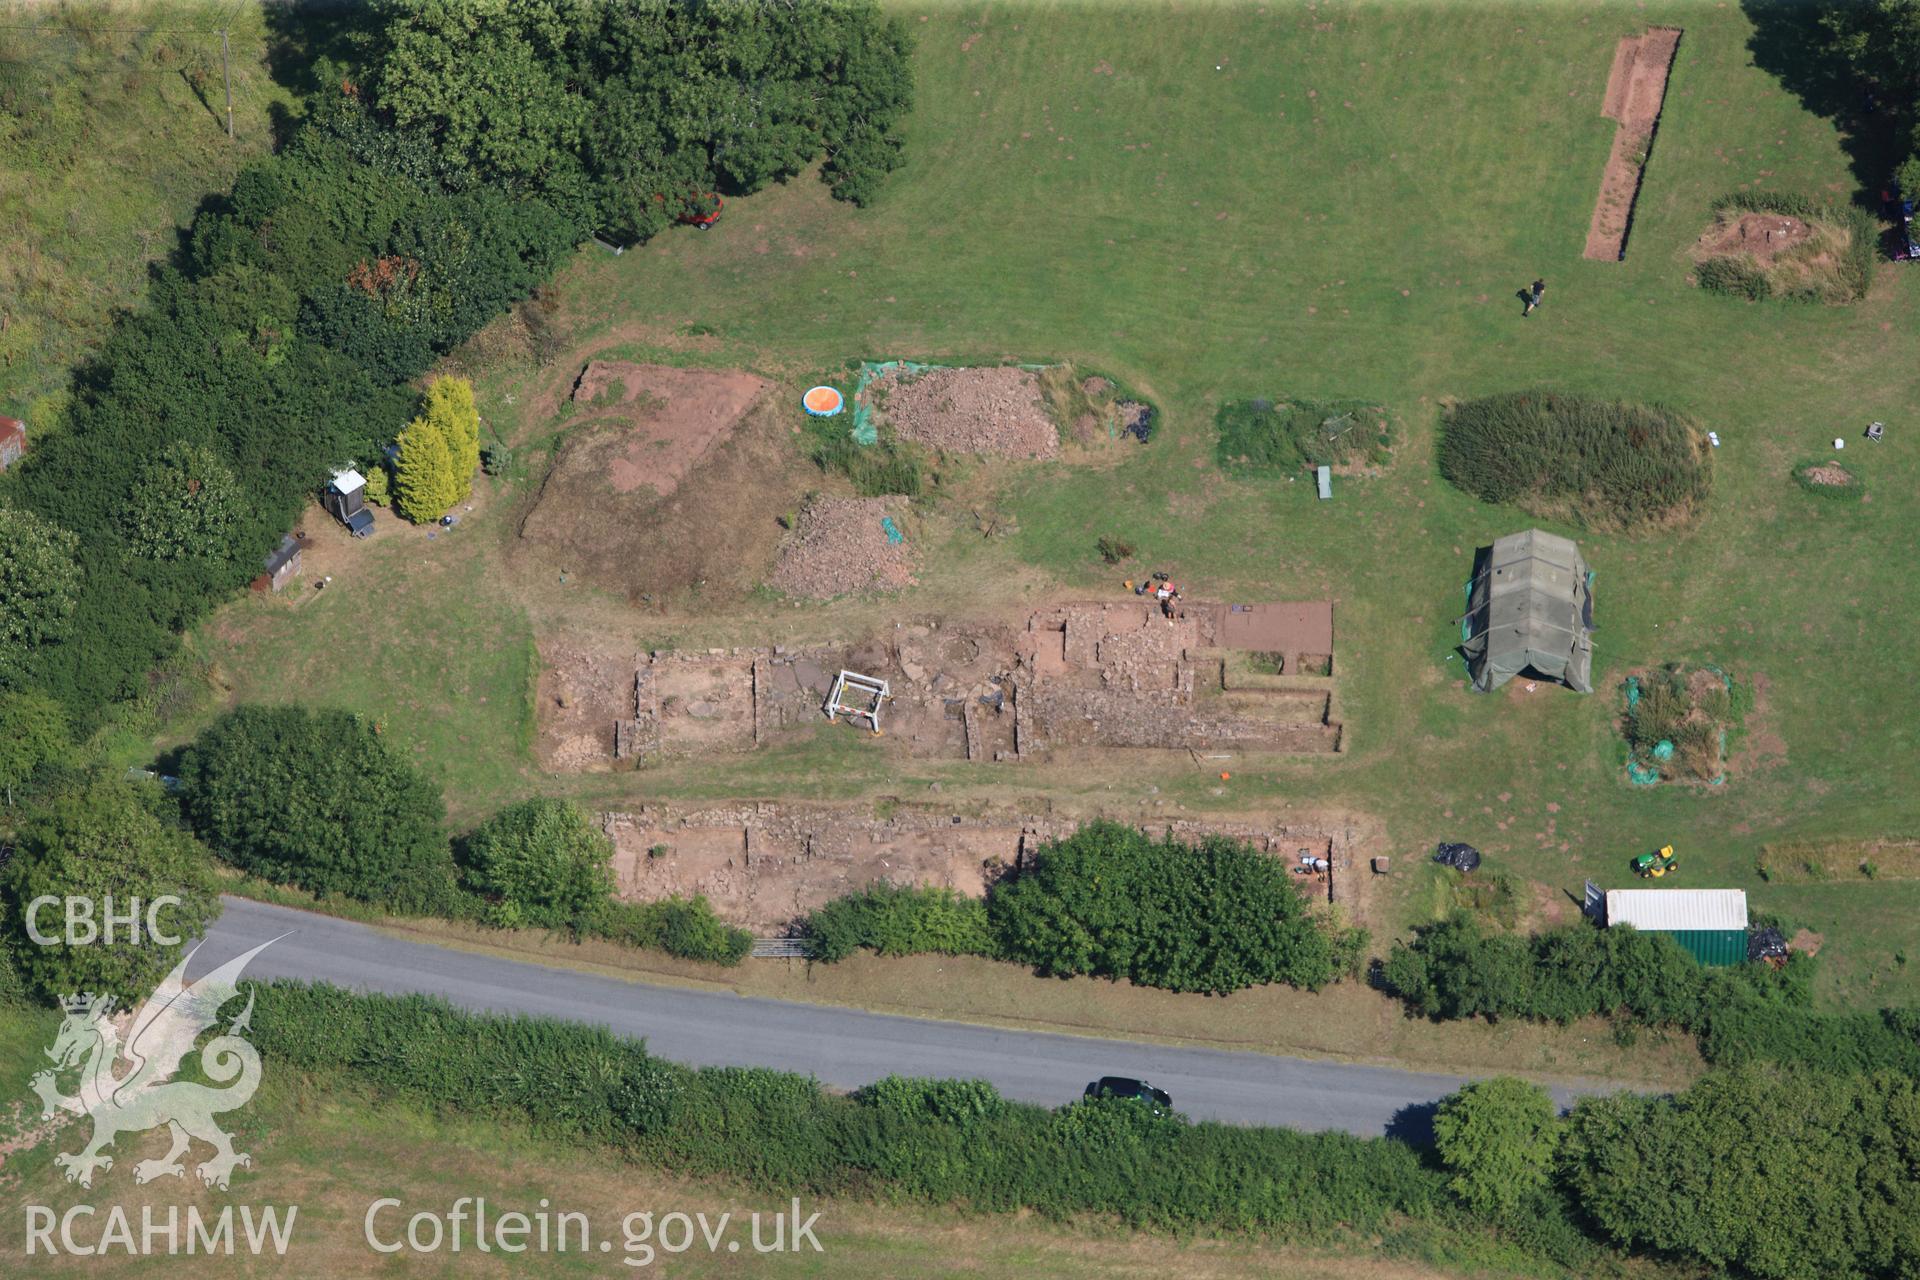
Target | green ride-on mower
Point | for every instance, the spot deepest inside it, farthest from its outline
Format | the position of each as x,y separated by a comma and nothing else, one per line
1652,866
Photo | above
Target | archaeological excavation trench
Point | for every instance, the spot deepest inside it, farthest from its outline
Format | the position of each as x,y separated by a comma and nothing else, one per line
1636,91
1213,678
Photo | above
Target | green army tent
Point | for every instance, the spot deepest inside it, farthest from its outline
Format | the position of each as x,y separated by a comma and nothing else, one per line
1530,609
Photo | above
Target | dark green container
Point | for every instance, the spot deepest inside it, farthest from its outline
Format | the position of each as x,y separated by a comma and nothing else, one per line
1714,947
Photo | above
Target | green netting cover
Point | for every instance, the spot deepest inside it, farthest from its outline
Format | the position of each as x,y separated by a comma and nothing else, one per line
864,430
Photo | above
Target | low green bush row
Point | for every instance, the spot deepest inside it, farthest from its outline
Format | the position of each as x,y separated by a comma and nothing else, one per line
895,920
683,927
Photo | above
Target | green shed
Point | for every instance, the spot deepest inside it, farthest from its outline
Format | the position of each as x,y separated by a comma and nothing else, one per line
1710,923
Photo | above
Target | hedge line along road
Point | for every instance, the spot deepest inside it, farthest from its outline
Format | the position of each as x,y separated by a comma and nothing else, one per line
843,1048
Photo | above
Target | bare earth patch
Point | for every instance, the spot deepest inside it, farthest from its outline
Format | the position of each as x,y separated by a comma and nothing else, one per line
662,420
1636,88
992,410
596,516
1761,234
840,545
579,681
1831,473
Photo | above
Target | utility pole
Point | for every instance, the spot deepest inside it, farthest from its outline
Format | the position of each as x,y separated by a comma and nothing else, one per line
226,74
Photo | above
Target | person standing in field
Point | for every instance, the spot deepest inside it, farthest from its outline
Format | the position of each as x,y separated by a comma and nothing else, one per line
1533,296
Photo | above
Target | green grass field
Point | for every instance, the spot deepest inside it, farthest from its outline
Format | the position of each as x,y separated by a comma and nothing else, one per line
1344,208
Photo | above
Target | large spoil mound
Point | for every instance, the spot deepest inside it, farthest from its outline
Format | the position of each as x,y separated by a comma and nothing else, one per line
993,410
843,545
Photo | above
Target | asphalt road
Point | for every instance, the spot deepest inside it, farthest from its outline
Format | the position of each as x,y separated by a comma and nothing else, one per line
842,1047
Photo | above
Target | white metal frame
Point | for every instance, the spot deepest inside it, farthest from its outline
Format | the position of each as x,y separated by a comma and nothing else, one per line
875,691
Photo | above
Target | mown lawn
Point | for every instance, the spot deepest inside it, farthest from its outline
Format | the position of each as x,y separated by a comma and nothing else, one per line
1335,201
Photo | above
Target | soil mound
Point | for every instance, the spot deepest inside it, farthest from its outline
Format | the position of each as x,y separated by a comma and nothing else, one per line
1761,234
1828,474
993,410
843,545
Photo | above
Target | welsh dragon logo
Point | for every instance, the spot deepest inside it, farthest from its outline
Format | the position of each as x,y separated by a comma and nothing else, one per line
146,1096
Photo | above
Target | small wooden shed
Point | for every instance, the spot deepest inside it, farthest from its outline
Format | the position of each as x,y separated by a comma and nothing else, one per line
281,567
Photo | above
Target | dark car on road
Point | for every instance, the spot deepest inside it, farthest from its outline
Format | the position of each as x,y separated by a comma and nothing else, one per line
1128,1087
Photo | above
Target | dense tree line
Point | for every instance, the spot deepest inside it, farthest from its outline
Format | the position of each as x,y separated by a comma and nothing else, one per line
1879,42
1112,901
430,185
1454,969
626,116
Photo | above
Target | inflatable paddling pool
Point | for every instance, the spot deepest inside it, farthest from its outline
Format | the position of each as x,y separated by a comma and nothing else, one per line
823,402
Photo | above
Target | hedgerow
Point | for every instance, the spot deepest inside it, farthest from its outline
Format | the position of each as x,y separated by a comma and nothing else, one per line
1786,1174
1453,970
934,1142
1607,463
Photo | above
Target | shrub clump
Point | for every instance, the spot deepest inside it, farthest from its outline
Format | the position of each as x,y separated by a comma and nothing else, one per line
1110,900
540,863
1216,916
1272,437
319,799
893,920
1497,1138
1608,463
683,927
